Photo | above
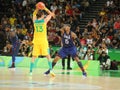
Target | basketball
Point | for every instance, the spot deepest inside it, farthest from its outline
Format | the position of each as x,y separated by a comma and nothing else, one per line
40,5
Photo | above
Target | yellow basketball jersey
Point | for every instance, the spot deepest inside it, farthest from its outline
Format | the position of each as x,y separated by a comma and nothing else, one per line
40,31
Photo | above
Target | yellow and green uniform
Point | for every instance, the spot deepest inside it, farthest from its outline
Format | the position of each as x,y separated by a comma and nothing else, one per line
40,42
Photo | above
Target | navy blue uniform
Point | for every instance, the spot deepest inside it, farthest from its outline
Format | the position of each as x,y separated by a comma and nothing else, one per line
68,49
15,46
68,46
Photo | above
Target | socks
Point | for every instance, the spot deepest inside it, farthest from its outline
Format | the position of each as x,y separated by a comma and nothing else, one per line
13,64
50,65
81,66
31,66
53,64
63,63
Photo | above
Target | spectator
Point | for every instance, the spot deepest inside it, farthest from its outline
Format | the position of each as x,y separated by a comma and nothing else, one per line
89,53
24,30
115,41
24,3
102,13
110,34
89,26
68,10
54,7
94,34
57,40
82,51
89,39
109,3
94,23
85,33
12,19
117,25
102,48
107,41
85,4
83,40
104,61
77,31
77,14
2,38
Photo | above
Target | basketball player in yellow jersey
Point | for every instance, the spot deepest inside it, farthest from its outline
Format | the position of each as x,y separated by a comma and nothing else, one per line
40,42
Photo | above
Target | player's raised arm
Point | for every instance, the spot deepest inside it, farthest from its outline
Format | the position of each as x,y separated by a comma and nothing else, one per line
39,6
34,14
51,14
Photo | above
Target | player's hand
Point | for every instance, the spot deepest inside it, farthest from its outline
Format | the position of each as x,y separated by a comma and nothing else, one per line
53,15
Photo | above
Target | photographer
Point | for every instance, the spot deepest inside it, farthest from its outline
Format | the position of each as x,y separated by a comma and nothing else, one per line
102,48
23,49
104,61
89,55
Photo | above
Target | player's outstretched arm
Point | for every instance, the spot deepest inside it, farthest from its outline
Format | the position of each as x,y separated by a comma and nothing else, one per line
51,14
34,14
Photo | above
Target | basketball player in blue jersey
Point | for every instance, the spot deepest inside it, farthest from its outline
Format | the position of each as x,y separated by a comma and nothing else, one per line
15,46
68,48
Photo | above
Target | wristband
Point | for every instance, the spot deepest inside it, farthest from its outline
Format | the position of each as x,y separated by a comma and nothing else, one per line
46,9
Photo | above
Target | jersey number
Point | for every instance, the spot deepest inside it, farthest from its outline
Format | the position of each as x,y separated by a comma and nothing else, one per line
66,41
39,28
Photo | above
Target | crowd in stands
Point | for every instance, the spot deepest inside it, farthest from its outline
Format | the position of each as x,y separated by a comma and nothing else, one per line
103,32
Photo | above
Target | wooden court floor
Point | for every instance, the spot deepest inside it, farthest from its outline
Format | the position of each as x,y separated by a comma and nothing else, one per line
20,80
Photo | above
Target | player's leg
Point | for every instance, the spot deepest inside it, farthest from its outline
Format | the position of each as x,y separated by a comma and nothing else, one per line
50,65
80,65
15,50
73,53
53,64
35,53
13,60
49,61
32,63
46,52
61,54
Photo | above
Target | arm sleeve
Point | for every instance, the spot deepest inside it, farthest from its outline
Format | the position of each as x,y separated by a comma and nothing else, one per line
78,42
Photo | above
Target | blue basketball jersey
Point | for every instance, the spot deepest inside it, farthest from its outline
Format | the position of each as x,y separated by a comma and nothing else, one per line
67,41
